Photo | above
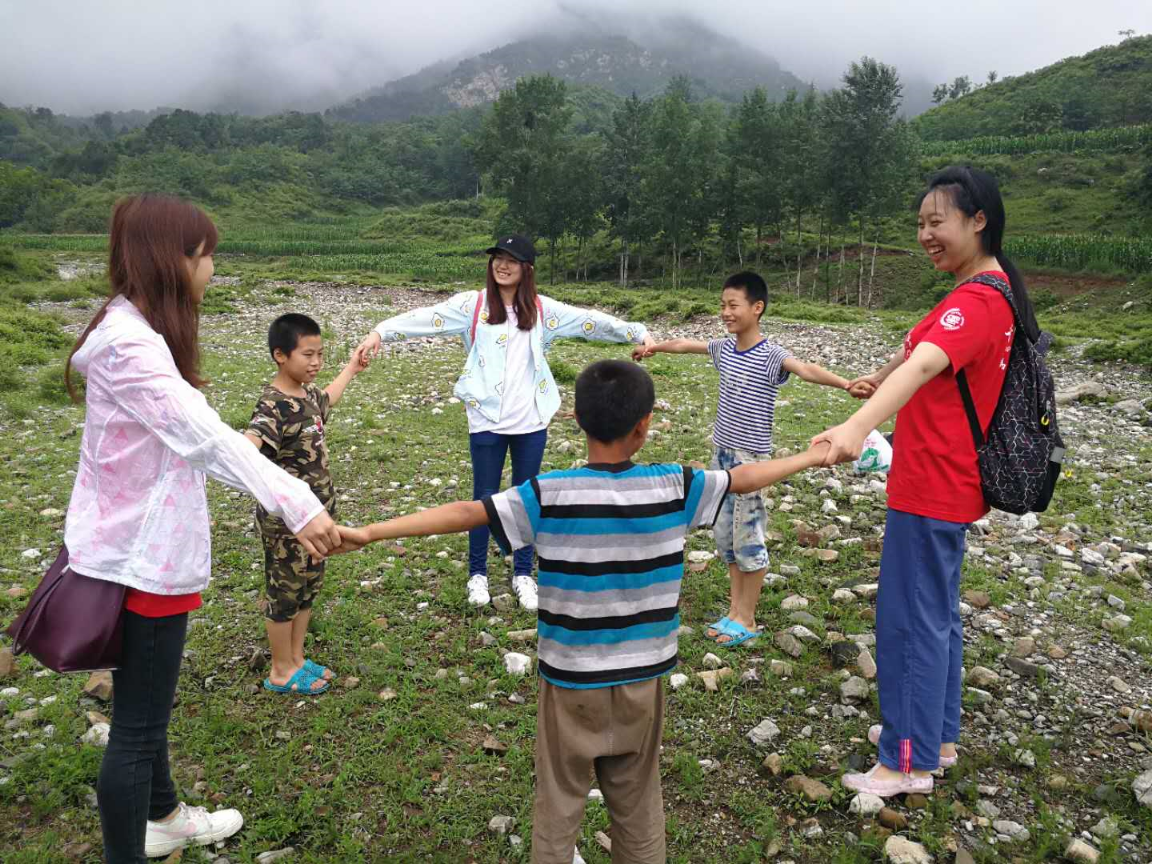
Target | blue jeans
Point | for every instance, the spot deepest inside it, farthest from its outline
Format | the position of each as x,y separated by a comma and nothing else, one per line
134,783
739,528
488,452
919,639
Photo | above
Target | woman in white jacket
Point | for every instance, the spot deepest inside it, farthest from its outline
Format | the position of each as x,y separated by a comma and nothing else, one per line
506,387
139,515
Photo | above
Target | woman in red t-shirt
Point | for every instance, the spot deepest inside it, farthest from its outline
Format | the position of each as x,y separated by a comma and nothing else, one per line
934,490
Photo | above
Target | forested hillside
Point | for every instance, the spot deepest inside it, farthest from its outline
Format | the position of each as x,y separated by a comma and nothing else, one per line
1111,86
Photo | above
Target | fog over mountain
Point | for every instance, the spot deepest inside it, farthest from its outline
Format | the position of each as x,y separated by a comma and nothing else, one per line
260,56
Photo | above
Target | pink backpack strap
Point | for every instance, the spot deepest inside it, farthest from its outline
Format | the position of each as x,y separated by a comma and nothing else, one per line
476,314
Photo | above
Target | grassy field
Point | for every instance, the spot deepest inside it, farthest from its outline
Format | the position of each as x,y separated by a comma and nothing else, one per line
355,775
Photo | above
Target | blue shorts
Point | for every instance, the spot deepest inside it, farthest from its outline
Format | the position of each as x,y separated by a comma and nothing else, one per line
739,528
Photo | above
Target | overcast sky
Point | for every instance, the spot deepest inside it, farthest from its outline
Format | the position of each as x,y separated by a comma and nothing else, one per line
83,56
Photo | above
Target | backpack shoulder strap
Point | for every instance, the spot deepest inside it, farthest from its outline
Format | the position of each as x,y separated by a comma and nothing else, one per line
476,315
970,409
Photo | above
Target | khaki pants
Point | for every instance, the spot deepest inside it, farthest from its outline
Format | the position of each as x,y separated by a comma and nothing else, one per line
614,732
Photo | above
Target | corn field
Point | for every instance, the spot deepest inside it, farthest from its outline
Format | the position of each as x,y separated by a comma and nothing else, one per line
1124,138
1083,251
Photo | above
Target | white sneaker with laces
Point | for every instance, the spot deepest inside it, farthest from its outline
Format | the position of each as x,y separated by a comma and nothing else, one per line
478,590
525,588
190,825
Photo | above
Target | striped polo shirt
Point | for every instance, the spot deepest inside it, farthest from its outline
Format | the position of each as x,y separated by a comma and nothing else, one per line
749,381
610,546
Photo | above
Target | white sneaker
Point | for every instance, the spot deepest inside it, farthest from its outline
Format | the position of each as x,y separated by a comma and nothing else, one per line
478,590
191,825
525,588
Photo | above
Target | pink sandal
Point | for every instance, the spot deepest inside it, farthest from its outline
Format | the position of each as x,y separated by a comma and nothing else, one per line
886,788
874,738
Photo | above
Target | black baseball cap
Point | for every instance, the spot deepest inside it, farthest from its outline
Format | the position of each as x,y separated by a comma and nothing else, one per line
516,245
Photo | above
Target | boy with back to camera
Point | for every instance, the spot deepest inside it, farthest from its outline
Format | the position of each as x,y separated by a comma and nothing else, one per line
288,427
610,539
752,369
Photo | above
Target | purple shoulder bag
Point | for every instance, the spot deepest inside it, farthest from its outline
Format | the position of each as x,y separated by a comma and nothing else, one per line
73,622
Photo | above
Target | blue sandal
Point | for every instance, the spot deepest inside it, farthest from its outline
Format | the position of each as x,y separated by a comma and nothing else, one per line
738,634
317,671
301,682
721,627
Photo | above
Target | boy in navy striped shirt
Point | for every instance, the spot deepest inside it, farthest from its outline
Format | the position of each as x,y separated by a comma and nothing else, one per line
751,371
610,540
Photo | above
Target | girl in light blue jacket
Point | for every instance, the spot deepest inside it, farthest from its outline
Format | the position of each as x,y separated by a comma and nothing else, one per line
506,387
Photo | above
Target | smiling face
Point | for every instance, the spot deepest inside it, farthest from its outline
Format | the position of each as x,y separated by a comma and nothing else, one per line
200,270
950,238
737,313
506,270
305,361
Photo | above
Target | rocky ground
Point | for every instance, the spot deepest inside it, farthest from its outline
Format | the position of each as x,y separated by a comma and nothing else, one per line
1056,743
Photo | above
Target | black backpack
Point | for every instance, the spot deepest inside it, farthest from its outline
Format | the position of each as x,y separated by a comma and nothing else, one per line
1020,456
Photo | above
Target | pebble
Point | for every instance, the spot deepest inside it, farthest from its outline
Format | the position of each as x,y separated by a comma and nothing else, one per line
275,855
866,805
97,735
501,824
812,790
678,680
517,664
763,732
1081,853
901,850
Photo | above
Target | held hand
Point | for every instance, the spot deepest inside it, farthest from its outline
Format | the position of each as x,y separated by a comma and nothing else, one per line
319,537
359,360
845,443
864,386
352,539
819,452
642,351
369,346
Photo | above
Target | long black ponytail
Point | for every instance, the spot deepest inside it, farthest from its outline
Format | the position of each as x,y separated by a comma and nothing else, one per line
972,191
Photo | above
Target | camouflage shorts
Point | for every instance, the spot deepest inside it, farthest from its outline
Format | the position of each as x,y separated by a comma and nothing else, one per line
291,578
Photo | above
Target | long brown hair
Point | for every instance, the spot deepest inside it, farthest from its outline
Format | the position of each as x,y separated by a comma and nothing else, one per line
524,302
151,238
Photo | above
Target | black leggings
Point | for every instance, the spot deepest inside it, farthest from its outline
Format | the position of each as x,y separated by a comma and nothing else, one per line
135,784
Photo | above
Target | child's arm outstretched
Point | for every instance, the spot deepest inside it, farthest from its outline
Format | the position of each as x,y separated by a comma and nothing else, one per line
352,368
815,374
671,346
756,475
445,519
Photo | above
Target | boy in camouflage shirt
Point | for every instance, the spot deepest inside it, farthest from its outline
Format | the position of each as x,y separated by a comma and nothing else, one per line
288,427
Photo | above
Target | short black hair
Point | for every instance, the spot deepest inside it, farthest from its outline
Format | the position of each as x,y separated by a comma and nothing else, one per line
286,331
755,288
612,396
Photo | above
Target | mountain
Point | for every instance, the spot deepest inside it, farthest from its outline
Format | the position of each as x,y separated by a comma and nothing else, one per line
718,67
1111,86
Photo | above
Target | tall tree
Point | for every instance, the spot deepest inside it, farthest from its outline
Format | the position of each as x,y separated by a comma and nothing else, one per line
622,171
679,171
523,146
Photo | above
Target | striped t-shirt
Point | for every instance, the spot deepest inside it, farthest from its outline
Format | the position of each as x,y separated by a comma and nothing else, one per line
749,381
610,546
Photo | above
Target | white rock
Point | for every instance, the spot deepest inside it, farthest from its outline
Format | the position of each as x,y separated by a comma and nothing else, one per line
501,824
794,602
829,506
843,596
855,689
30,554
711,661
97,735
517,664
678,680
699,556
763,733
1081,853
866,805
1142,786
1016,832
901,850
1029,521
